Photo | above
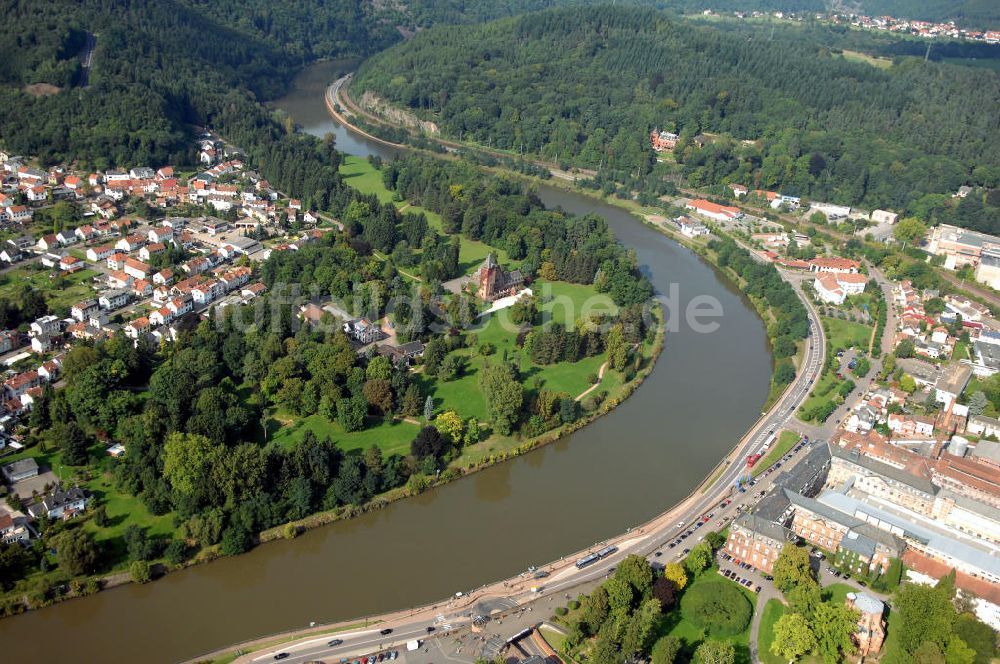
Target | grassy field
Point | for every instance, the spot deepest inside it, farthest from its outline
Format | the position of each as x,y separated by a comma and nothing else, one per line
61,291
856,56
844,334
824,389
786,441
566,304
361,175
391,438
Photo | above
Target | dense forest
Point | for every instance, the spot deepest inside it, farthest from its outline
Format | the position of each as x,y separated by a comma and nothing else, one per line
587,86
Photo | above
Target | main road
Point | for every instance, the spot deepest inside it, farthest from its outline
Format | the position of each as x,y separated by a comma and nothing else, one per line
562,577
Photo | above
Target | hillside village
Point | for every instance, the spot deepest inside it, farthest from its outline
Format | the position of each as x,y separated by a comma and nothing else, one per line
137,277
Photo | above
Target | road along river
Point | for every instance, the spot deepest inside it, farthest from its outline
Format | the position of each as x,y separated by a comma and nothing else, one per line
650,452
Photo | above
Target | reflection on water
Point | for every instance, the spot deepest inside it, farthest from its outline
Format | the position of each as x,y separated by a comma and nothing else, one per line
615,473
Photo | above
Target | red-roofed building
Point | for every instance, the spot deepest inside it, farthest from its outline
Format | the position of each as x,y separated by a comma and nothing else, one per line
834,265
714,210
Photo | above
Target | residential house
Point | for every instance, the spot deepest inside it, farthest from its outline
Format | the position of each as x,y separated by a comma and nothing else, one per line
17,385
142,288
980,425
116,261
163,277
42,343
137,327
45,325
207,292
70,264
363,331
100,253
48,242
253,290
82,311
951,383
11,531
136,269
131,242
910,425
114,299
9,340
884,217
61,504
150,250
119,279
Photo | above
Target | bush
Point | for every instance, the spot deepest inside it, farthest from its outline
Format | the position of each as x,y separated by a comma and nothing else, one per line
139,571
717,607
573,605
561,611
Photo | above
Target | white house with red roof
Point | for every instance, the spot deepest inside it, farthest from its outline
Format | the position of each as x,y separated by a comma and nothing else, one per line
101,253
137,328
136,268
70,264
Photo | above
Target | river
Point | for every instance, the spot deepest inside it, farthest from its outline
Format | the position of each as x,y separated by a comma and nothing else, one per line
705,392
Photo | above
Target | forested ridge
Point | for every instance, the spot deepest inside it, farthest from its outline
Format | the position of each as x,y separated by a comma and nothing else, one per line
587,86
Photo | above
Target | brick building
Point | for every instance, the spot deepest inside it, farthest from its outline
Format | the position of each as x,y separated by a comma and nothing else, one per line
870,632
757,541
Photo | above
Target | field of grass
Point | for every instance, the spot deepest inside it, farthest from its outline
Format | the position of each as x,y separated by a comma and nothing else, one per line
856,56
844,334
566,304
824,388
391,438
786,441
61,290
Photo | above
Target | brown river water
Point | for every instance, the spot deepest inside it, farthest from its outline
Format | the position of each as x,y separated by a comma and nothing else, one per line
704,393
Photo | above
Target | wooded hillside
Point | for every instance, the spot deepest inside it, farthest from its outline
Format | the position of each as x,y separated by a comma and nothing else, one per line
586,87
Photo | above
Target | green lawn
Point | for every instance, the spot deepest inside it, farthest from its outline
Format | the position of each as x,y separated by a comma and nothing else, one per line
824,388
391,438
61,291
844,334
786,441
566,304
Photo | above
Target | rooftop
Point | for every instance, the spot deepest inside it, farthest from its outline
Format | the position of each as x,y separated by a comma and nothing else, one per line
867,603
